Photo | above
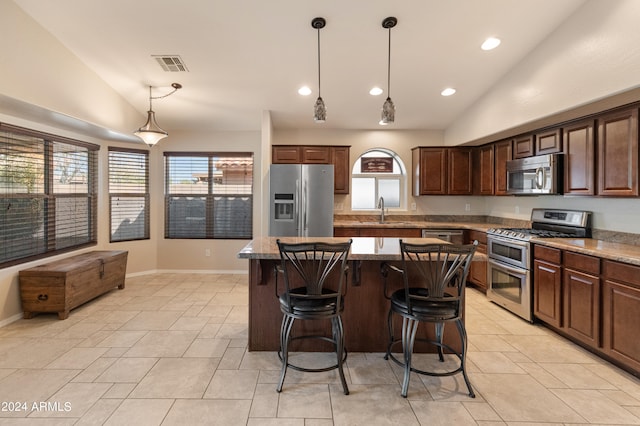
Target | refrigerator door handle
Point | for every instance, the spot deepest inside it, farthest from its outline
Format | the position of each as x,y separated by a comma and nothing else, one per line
305,207
296,206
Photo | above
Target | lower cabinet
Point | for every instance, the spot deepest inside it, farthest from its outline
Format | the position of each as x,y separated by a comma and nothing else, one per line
478,268
377,232
547,285
621,313
592,301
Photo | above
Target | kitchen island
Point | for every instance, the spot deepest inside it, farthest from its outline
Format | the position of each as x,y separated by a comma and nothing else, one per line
365,307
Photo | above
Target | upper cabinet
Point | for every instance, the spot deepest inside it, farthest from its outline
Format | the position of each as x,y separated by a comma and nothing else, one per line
523,146
503,153
442,171
483,170
579,158
618,153
548,141
317,154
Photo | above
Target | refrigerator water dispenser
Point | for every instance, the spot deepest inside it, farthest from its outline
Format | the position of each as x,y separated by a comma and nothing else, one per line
283,204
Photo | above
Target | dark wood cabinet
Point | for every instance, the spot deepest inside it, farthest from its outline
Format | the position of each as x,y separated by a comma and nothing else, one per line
621,313
547,285
503,153
548,141
483,170
478,268
459,171
372,231
523,146
442,171
618,153
341,166
286,154
579,158
317,154
429,171
581,298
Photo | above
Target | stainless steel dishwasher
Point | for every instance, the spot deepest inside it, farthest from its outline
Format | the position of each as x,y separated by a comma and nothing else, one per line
454,236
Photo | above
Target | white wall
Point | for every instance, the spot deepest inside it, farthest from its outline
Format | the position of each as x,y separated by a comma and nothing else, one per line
595,54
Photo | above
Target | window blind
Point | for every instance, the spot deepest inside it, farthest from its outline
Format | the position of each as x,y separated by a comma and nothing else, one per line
128,194
208,195
47,194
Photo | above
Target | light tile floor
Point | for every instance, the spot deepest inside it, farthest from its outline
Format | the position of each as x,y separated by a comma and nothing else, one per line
170,349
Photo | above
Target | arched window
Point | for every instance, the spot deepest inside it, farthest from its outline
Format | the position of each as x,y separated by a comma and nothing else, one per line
378,173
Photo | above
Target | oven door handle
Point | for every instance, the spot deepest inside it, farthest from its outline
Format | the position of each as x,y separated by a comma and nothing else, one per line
509,241
520,271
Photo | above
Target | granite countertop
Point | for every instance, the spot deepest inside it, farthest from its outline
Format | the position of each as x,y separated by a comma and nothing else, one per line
421,224
362,248
626,253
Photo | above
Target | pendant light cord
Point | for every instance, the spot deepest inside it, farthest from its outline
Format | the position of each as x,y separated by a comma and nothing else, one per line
389,67
319,62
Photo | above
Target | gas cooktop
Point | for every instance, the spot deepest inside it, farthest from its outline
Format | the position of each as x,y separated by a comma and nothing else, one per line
550,223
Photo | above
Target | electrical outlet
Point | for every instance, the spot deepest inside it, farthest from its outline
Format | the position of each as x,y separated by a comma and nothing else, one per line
413,206
338,206
517,209
207,252
467,207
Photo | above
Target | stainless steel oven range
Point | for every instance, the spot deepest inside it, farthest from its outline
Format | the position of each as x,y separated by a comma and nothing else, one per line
509,251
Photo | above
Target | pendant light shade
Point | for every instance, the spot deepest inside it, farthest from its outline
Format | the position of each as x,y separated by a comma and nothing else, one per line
388,108
150,132
319,109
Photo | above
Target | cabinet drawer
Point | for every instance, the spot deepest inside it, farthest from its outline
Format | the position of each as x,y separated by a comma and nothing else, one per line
547,253
581,262
622,272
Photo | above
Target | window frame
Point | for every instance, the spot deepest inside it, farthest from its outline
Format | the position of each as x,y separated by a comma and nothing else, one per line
401,178
210,198
145,196
54,238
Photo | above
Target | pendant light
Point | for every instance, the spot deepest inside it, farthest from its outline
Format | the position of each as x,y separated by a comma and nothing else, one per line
388,108
319,109
150,132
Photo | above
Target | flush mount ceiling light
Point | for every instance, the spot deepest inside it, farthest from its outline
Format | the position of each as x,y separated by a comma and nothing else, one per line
388,108
375,91
319,109
490,43
304,91
448,91
151,133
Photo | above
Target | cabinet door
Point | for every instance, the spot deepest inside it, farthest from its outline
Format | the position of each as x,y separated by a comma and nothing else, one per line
618,153
478,268
341,175
282,154
459,171
547,292
430,171
315,155
549,141
503,153
620,313
523,146
483,170
581,301
579,158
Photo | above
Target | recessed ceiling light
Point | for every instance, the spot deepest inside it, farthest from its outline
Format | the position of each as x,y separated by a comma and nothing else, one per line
490,43
304,91
448,91
375,91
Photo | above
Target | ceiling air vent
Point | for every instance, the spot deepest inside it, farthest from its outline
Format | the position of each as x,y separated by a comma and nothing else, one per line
171,63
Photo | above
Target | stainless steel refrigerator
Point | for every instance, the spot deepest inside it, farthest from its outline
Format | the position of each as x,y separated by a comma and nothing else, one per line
301,200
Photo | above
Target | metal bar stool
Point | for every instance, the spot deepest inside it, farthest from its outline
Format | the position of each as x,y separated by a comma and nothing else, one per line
434,277
313,265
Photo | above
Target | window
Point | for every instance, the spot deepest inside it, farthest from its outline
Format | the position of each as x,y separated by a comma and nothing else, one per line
208,195
128,194
378,173
47,194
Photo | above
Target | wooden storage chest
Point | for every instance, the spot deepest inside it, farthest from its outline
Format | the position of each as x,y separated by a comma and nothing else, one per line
65,284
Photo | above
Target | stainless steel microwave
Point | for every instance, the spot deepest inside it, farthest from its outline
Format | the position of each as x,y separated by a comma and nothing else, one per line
541,174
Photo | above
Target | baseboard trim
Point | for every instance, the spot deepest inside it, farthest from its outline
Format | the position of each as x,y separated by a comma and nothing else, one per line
187,271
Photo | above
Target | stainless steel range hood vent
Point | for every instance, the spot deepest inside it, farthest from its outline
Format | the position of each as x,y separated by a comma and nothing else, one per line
171,63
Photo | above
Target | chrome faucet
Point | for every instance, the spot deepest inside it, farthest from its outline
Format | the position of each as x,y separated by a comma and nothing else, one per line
381,207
